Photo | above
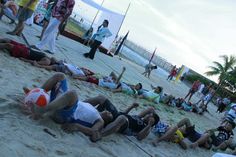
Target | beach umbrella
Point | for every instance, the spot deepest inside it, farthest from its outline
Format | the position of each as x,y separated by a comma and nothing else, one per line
121,44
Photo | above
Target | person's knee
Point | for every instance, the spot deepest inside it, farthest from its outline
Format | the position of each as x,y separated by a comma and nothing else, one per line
72,95
121,119
59,76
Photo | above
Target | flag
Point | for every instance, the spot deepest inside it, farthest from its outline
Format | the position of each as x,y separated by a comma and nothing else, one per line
121,44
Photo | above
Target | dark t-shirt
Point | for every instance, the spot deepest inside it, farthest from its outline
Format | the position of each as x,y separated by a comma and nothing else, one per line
36,55
136,124
222,136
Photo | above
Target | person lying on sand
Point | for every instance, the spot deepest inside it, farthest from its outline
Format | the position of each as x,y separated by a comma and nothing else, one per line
138,125
25,53
66,108
221,141
70,69
153,95
110,81
176,134
128,88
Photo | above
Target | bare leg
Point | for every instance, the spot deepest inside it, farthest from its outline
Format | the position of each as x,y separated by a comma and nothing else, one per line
146,111
51,82
68,99
203,139
114,126
18,30
190,96
6,46
99,100
187,95
45,24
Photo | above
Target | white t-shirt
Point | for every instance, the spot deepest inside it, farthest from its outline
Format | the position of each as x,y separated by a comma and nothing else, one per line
74,70
86,112
107,82
232,111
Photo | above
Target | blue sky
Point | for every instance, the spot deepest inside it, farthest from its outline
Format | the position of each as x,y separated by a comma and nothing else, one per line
189,32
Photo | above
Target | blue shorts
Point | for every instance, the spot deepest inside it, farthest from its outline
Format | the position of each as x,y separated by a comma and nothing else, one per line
63,87
67,116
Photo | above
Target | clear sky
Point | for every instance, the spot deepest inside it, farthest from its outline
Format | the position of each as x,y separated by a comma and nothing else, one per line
189,32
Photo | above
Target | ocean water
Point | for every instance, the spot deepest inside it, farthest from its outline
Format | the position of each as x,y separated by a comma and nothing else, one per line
138,59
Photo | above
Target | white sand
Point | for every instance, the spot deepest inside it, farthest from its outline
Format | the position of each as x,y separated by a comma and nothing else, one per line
23,137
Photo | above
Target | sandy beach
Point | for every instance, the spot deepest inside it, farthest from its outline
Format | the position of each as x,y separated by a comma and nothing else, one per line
21,136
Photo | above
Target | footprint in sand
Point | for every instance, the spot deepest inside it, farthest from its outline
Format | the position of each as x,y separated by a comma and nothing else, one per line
61,153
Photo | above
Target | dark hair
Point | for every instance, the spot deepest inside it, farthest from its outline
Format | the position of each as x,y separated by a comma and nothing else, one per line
106,22
141,86
155,67
160,89
156,118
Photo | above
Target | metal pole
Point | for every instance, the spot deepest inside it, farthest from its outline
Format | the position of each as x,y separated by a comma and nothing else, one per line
123,19
96,14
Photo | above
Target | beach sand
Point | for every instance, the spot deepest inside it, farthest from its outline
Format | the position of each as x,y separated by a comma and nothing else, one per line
21,136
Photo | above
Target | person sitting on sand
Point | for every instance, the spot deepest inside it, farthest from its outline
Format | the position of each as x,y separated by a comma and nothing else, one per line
176,134
110,81
65,107
9,9
127,88
25,53
153,96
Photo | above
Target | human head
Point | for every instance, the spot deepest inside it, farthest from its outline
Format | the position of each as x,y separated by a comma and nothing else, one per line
53,60
106,116
230,125
158,89
153,117
105,23
138,86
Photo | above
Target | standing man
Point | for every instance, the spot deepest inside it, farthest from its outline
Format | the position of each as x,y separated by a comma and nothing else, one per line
193,89
148,70
102,33
26,10
60,14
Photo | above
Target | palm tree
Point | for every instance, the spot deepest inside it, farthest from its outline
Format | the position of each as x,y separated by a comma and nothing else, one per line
222,70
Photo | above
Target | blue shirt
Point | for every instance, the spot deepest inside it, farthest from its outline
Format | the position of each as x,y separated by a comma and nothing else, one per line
102,33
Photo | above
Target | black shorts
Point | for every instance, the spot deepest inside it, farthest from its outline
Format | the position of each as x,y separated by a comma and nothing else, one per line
215,141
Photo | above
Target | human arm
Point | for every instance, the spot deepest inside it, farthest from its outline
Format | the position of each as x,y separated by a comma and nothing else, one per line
134,105
120,76
144,133
72,127
118,90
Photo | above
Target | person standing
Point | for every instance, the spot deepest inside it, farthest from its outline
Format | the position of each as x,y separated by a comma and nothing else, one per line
193,89
102,33
60,14
26,10
172,74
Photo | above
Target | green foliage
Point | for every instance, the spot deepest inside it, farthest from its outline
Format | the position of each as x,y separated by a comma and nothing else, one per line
194,77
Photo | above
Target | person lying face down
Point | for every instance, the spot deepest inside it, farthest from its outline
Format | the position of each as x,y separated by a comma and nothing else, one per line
133,125
109,82
67,109
25,53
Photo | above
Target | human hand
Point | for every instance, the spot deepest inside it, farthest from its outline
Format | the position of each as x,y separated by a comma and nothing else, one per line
69,128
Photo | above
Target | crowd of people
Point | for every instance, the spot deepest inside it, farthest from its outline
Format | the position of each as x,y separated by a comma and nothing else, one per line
98,117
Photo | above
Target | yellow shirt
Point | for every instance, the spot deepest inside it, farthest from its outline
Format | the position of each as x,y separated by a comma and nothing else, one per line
22,3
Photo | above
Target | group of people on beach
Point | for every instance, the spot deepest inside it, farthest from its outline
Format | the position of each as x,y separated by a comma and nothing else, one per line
98,117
